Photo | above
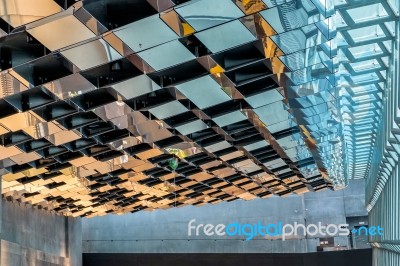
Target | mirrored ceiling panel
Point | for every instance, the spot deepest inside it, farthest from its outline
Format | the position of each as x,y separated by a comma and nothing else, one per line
115,106
91,54
206,14
20,12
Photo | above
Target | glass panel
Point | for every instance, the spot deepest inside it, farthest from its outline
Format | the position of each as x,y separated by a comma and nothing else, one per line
367,13
209,13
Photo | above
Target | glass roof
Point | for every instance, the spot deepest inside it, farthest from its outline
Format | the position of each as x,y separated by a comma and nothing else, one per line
369,33
356,42
367,13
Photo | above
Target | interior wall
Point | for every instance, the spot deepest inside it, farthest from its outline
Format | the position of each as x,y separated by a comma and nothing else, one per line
167,231
36,237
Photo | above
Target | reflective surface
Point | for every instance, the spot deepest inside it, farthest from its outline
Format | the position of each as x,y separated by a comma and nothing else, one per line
119,106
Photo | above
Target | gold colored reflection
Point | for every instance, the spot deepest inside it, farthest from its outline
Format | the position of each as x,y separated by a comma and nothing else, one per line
20,12
3,130
10,85
12,177
63,137
25,157
263,28
250,6
144,107
42,130
8,152
183,150
19,121
311,141
24,84
117,44
208,63
34,172
66,30
176,23
271,49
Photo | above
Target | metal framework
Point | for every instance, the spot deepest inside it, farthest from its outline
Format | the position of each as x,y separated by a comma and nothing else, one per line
114,106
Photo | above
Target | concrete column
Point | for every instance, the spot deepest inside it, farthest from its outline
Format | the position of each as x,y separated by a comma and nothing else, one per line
74,241
36,237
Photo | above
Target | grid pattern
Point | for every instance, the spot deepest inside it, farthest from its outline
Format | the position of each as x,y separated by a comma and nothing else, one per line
382,195
114,106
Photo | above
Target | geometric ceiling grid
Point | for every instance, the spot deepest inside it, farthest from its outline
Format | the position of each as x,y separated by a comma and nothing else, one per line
115,106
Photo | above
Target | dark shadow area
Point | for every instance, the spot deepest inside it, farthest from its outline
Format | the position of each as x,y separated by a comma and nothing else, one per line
360,257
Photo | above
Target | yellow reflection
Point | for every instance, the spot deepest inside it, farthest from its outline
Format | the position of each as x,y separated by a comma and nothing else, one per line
251,6
216,69
270,48
178,152
174,21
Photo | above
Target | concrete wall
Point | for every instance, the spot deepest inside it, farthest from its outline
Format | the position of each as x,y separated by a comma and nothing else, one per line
166,231
35,237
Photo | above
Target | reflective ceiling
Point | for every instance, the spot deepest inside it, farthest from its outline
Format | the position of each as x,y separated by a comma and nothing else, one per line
114,106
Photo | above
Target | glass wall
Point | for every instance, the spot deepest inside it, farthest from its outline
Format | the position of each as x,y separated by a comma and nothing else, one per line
383,184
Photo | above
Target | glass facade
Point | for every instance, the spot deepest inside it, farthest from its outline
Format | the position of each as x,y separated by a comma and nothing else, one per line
383,181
